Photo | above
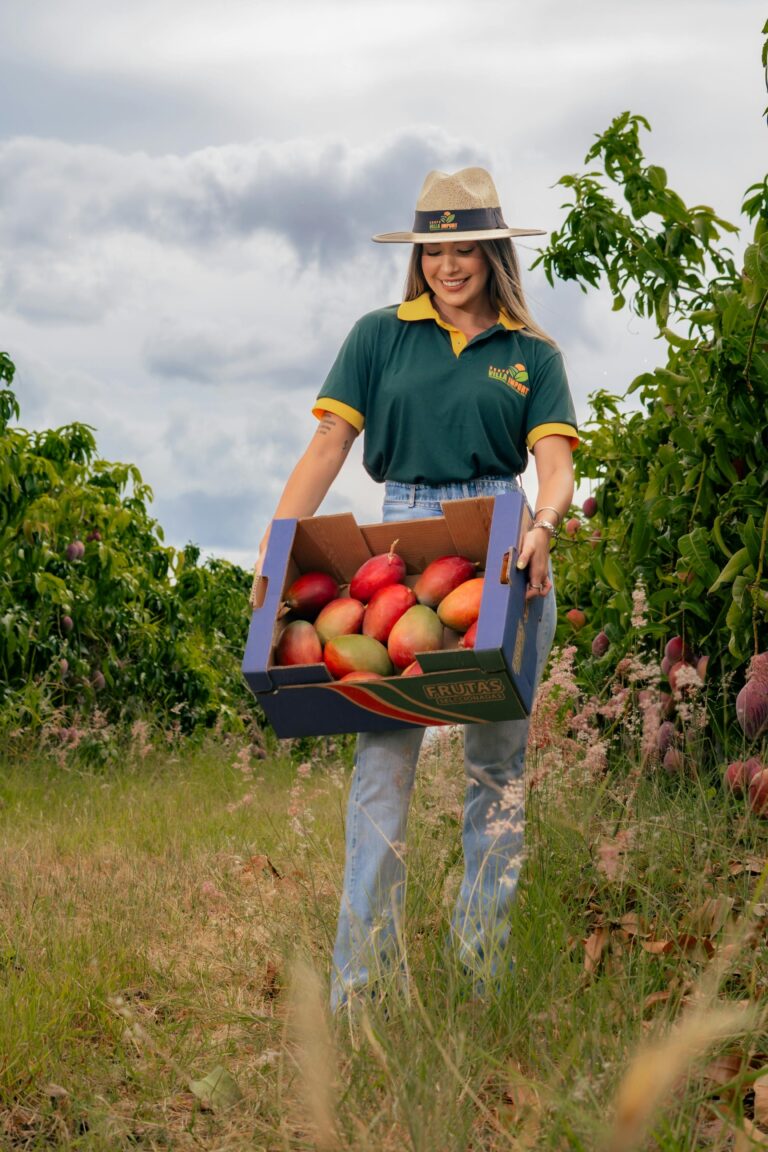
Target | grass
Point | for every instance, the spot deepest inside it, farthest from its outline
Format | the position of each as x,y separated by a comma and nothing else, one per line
173,919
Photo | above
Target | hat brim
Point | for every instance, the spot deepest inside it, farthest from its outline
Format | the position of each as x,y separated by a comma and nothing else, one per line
454,237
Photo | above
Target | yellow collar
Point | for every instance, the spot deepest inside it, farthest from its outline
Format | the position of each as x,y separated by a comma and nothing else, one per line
422,308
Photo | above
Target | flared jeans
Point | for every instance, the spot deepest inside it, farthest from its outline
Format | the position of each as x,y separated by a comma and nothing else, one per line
370,917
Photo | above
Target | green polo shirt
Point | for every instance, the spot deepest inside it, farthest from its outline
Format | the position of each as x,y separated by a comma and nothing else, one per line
436,407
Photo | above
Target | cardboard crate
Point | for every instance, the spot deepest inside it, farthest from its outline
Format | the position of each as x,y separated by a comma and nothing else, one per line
492,681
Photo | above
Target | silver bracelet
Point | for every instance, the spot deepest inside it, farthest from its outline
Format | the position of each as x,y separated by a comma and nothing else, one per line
548,525
549,508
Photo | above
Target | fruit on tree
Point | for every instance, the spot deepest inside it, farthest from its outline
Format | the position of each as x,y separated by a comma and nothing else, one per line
356,653
572,526
385,608
683,675
98,681
339,618
461,607
665,737
309,593
576,618
386,568
758,793
67,624
673,760
666,704
589,507
418,630
733,778
752,767
600,645
738,775
676,650
752,700
299,643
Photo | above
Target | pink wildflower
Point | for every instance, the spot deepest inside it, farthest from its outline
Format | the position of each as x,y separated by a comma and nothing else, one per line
639,617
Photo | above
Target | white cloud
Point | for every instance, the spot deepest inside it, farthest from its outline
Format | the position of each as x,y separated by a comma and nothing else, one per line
186,196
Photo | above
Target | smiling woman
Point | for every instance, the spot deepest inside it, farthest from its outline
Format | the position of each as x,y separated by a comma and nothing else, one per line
451,390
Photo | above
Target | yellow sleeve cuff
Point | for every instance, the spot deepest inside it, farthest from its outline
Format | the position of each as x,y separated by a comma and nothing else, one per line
351,415
543,430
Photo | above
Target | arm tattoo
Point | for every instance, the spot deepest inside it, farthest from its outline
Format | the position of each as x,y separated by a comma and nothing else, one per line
327,423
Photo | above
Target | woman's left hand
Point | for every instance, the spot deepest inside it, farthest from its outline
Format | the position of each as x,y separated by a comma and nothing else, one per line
534,556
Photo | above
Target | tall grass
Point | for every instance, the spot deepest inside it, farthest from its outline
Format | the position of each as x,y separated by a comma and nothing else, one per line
165,933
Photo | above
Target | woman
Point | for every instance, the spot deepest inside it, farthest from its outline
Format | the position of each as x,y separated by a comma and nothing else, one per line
452,388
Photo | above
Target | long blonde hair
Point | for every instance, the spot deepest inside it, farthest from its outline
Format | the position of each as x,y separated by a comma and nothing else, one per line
505,288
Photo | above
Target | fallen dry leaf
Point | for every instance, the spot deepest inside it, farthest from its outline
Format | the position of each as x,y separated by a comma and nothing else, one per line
594,946
610,854
633,924
712,916
760,1087
752,864
261,863
657,947
723,1070
750,1138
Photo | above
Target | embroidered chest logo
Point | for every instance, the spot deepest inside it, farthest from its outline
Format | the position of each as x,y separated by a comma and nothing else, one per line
446,223
515,377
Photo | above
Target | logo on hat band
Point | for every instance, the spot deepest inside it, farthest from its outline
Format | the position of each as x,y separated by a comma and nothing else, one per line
463,220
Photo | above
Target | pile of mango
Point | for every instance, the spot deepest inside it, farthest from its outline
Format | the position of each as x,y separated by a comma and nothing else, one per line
380,626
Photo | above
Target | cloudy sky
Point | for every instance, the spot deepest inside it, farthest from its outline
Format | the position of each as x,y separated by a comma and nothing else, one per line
187,192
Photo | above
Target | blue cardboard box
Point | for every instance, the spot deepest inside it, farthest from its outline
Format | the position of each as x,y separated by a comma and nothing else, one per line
492,681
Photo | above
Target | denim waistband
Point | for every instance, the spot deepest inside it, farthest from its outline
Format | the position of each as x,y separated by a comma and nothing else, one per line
396,492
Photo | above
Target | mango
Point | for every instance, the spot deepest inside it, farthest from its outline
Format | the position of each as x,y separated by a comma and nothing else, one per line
376,573
752,709
386,607
758,793
299,644
461,607
468,639
309,593
339,618
352,676
441,577
356,653
417,630
413,669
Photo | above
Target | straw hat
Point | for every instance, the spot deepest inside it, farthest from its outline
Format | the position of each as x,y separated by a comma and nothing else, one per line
460,205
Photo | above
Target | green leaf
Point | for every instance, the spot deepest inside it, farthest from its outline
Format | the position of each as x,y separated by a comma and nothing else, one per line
217,1091
717,536
694,548
733,568
614,573
750,534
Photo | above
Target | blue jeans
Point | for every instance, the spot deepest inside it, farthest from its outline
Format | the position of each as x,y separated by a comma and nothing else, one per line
370,917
